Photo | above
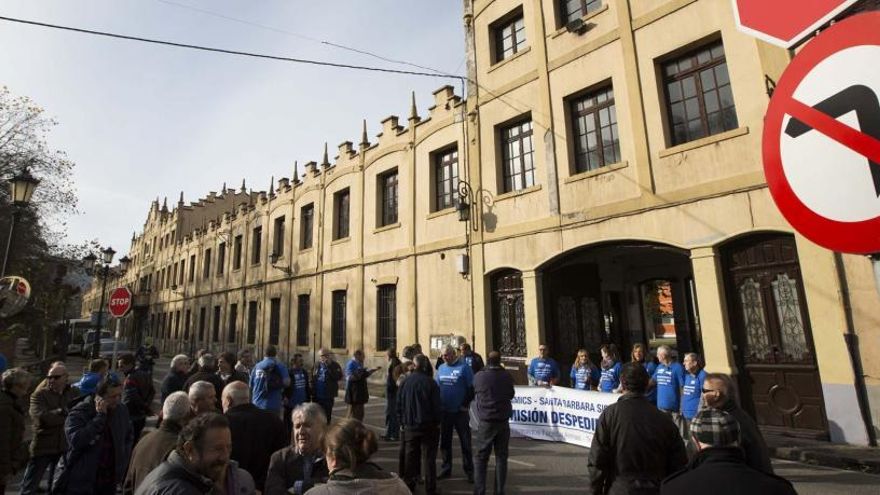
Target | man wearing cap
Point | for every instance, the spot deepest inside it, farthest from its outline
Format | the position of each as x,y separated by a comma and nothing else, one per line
720,462
326,382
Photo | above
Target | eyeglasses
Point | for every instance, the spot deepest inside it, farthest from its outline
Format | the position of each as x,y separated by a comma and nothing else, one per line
709,391
54,377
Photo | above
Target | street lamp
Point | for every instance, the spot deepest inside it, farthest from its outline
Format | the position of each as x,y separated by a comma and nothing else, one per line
21,188
89,264
468,200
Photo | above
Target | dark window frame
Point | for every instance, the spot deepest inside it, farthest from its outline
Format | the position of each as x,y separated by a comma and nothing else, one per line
596,107
215,325
257,245
445,178
274,320
341,214
232,322
252,322
206,264
389,197
203,315
522,165
237,245
510,26
307,226
584,7
192,268
303,310
221,258
278,228
386,317
338,319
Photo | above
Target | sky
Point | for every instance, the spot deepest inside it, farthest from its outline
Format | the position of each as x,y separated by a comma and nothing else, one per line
143,121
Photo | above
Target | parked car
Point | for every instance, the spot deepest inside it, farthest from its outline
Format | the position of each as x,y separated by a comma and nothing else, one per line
89,341
107,348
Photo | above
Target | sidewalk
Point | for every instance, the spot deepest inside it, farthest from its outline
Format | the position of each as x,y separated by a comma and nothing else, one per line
840,456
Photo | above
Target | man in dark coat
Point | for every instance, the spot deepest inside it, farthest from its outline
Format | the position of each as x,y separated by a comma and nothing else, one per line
635,445
157,444
720,463
99,439
256,433
719,392
207,373
471,357
325,382
419,412
298,467
137,393
13,452
356,391
49,408
392,428
228,373
175,380
493,388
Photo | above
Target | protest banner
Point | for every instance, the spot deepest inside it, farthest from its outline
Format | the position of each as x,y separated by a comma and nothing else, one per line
558,414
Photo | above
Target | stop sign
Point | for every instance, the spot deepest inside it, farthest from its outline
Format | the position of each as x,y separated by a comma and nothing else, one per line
120,302
785,22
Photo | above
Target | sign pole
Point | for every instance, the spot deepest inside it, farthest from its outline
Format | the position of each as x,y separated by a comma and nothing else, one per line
116,340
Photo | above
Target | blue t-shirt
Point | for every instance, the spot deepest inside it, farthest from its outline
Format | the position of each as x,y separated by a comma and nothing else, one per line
299,379
321,381
690,393
264,398
455,381
584,377
543,370
669,380
351,367
610,378
651,395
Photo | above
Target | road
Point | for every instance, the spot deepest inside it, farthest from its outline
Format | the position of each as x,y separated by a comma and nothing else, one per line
546,467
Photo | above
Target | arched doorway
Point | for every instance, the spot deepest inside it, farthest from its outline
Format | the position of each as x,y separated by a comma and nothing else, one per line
509,321
622,293
773,343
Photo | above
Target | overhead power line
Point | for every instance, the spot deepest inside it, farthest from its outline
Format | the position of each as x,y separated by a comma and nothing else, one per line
231,52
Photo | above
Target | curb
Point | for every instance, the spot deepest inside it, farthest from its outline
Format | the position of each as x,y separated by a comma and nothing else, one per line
827,459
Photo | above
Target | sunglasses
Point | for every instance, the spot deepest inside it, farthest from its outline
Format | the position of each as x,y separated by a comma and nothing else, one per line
54,377
709,391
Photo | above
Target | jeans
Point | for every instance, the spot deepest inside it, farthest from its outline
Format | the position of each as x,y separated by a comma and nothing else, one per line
419,447
489,435
460,421
35,470
392,428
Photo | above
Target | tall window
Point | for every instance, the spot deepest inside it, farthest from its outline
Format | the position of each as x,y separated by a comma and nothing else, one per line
594,120
187,323
386,319
257,245
232,319
177,324
510,36
206,264
341,210
182,269
192,268
215,334
306,226
278,237
174,273
302,319
445,179
236,252
337,326
699,98
252,322
274,320
388,190
517,154
202,316
221,258
575,9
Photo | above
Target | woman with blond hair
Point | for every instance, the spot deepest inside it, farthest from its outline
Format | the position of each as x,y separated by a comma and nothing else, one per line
584,375
348,446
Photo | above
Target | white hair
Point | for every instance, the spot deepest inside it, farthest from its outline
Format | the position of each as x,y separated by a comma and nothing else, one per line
664,349
200,389
238,393
176,360
311,411
177,406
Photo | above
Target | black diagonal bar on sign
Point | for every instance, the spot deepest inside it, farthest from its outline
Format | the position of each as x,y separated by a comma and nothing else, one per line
858,98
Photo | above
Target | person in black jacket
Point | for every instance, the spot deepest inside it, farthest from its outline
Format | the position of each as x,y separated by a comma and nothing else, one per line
256,433
471,357
392,427
175,380
356,391
207,373
227,372
493,387
137,393
720,462
419,412
635,445
325,382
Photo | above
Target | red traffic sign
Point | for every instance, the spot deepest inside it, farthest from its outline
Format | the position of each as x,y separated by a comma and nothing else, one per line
120,302
821,141
785,22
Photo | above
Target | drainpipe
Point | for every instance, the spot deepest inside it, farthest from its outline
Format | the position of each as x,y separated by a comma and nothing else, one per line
852,344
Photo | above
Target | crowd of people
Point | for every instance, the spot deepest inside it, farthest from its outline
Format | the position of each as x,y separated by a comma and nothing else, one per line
234,425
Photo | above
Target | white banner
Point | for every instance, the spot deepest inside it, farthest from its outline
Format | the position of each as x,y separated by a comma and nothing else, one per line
558,414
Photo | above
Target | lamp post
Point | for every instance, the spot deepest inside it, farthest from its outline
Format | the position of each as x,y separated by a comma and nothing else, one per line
21,188
468,200
89,264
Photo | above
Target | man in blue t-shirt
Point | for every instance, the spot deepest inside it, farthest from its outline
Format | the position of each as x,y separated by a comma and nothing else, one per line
298,391
668,379
325,380
544,370
691,391
456,381
268,381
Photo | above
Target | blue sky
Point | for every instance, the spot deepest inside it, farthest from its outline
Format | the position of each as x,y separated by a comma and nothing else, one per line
142,120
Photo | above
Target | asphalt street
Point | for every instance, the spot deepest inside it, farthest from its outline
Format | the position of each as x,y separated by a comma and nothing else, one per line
546,467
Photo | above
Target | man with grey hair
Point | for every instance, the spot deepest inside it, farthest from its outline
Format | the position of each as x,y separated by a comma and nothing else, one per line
325,381
245,361
208,373
692,389
203,398
156,445
256,433
13,452
456,381
669,378
175,380
297,467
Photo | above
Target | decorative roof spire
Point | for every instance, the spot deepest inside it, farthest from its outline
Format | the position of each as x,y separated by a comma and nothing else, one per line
243,186
326,162
223,189
272,186
295,172
413,112
364,141
180,201
165,203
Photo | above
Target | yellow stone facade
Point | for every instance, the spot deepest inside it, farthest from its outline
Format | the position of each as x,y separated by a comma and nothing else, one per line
691,201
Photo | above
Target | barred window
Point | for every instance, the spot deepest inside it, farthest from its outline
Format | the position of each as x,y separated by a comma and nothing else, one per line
302,319
510,36
388,185
699,98
187,322
278,237
596,142
233,321
517,155
192,268
257,245
575,9
341,209
337,328
274,320
221,258
215,337
252,322
445,179
236,252
386,319
206,264
307,219
202,318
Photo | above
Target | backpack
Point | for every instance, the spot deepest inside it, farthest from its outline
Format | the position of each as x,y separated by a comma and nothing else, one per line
274,380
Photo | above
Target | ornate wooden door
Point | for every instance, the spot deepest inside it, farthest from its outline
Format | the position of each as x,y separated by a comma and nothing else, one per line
773,344
509,322
575,318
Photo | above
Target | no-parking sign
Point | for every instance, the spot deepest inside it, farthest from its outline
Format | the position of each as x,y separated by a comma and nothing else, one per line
821,141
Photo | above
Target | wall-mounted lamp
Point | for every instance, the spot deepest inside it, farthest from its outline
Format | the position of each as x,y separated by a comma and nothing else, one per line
273,258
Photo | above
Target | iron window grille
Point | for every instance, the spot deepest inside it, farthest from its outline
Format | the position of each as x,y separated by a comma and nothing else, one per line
337,328
386,319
